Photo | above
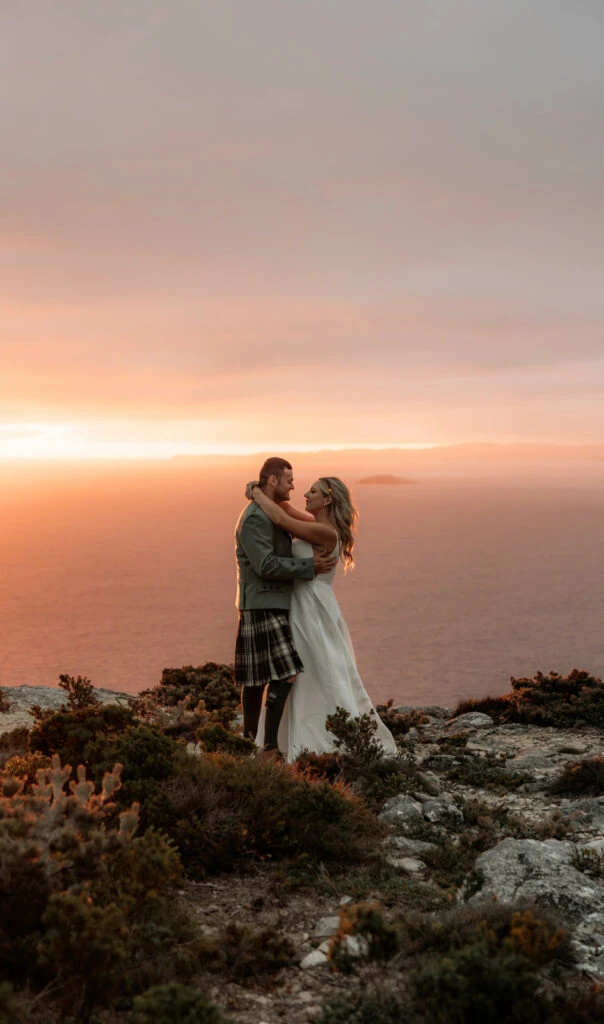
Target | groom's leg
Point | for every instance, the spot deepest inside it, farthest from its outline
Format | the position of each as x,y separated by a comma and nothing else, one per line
276,699
251,706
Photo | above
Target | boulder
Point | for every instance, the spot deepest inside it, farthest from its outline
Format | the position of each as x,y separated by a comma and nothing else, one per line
589,812
471,720
529,871
401,809
442,810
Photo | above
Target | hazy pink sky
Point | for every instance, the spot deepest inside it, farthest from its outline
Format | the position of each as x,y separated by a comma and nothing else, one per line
270,223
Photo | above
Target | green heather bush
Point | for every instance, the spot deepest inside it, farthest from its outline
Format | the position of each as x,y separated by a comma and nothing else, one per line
211,683
533,934
100,737
367,922
174,1004
80,692
554,700
477,985
474,966
24,767
248,956
399,723
359,761
13,742
85,903
225,810
70,733
579,777
214,736
486,771
372,1005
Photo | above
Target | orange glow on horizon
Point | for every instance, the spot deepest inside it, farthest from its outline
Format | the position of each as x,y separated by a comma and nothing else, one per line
62,441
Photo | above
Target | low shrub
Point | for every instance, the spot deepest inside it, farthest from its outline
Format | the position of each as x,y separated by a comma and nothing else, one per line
224,810
486,772
379,939
25,767
174,1004
398,722
469,966
214,736
590,862
534,934
580,777
80,692
248,956
373,1005
476,985
360,762
4,703
13,743
70,733
85,902
211,683
549,700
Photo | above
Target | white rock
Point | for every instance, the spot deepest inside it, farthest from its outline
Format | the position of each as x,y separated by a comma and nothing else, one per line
326,927
355,945
595,846
406,847
314,959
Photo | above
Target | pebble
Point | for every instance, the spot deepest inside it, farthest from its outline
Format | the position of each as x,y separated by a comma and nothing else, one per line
314,959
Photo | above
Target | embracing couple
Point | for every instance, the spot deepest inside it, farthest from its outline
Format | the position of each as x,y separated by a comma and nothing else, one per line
290,623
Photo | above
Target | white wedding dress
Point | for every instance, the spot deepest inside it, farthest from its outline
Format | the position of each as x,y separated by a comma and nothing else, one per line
330,678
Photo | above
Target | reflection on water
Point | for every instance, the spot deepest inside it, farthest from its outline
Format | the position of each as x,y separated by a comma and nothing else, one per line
119,572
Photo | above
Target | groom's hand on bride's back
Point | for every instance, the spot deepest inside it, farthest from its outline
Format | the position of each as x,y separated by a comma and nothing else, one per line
323,563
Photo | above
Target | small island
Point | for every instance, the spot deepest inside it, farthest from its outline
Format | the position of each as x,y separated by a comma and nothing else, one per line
385,478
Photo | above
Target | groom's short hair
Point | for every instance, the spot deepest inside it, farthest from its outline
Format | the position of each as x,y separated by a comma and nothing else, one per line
273,467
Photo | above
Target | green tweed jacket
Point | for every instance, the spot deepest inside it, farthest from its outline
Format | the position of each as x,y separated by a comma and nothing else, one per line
266,568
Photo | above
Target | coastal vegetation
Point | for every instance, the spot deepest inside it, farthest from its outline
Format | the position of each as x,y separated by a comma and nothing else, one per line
152,871
547,700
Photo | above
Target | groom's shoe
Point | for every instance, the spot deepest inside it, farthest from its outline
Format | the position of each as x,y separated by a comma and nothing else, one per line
272,755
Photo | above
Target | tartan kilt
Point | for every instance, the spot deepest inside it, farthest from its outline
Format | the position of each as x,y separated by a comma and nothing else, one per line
264,650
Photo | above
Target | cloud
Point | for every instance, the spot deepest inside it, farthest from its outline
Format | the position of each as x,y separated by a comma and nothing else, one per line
208,204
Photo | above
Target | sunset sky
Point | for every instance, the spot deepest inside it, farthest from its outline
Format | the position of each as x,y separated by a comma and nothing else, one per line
255,224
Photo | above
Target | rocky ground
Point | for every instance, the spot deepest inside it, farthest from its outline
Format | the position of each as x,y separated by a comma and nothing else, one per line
476,779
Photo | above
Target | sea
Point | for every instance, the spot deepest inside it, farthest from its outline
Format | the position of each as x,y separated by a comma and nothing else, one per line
464,578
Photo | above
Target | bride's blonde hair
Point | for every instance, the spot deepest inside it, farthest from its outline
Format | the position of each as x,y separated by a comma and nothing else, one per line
342,513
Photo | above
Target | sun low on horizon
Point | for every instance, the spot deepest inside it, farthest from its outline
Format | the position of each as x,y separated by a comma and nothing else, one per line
44,441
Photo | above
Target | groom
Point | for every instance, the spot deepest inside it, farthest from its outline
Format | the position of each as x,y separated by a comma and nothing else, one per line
265,654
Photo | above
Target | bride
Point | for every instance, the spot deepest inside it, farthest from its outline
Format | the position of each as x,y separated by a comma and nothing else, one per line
330,678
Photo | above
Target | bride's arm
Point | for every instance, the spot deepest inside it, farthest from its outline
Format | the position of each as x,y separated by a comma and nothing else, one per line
314,533
296,513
